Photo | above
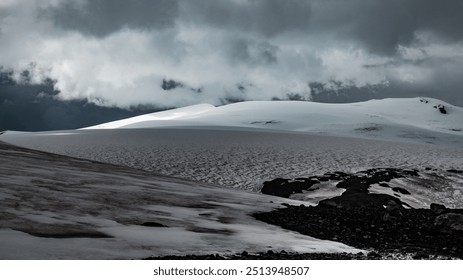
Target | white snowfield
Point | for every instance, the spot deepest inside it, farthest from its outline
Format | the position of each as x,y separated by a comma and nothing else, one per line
63,208
405,119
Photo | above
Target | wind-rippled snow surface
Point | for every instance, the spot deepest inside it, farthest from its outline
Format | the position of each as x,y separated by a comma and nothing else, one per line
236,157
55,207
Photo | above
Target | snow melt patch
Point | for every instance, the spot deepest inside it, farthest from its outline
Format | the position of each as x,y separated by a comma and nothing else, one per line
441,187
319,192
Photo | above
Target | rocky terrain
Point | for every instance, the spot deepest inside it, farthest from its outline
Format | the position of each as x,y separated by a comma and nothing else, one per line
271,255
382,224
372,221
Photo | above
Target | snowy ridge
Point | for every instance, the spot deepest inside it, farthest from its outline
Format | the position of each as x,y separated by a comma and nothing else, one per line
173,114
410,119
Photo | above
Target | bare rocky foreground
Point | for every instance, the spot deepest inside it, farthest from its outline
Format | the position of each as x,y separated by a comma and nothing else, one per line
378,221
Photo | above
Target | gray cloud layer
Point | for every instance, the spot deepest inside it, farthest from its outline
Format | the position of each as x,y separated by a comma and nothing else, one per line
115,52
263,17
102,17
384,25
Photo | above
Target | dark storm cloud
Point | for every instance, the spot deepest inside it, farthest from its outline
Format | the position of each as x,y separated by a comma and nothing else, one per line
266,17
444,81
383,25
379,25
28,107
339,92
252,52
103,17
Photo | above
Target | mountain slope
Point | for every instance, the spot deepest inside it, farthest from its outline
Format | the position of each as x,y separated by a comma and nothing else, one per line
422,120
56,207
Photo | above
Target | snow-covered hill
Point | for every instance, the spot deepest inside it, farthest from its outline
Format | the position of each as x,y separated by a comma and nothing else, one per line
423,120
59,207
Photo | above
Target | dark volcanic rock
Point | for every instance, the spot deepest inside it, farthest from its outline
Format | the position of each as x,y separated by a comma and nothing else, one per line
441,108
438,208
359,199
358,182
424,100
400,190
152,224
335,176
449,222
285,188
376,221
394,230
357,185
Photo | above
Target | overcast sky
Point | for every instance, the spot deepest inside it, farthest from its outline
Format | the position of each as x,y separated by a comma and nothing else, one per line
119,52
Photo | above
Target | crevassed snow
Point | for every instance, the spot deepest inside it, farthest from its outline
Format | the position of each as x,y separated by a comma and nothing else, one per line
406,119
240,158
46,198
